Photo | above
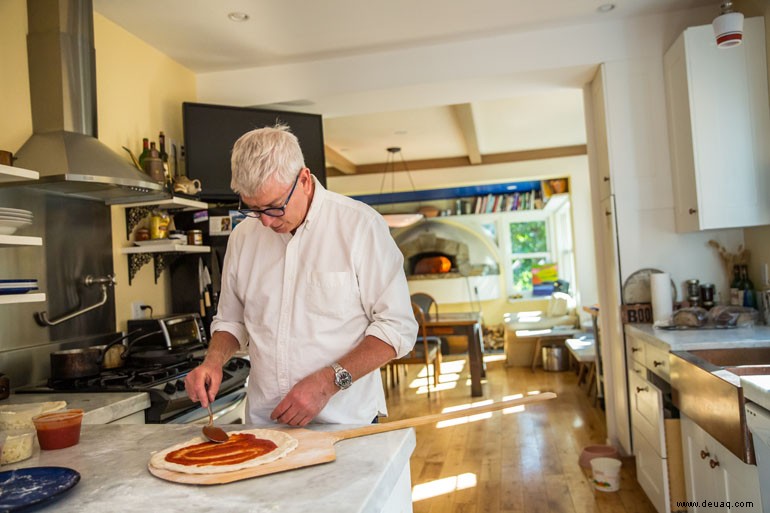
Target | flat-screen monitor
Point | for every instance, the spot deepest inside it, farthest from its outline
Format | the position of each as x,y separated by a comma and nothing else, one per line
211,130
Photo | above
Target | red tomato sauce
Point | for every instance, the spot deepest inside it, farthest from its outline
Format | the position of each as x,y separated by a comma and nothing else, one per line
239,448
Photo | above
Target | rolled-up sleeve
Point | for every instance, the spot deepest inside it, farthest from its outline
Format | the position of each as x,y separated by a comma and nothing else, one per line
383,287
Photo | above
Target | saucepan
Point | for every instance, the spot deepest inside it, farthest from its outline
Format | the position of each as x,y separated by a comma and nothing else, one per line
89,361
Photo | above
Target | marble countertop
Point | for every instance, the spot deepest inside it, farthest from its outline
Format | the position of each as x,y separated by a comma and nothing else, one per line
757,389
685,340
99,408
112,461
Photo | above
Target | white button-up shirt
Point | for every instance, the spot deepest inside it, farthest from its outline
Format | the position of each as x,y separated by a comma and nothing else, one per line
300,302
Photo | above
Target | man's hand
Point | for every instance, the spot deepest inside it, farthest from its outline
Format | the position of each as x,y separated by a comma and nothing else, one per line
306,399
205,376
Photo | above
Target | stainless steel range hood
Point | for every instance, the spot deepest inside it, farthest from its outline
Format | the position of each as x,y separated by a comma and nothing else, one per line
62,80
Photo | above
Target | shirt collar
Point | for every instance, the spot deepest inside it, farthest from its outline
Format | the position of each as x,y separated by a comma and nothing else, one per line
319,196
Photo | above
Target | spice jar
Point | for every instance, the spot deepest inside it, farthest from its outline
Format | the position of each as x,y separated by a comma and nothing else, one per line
159,222
707,295
142,234
195,237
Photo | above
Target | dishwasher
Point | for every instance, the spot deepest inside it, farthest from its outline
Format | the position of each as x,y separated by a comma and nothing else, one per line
758,421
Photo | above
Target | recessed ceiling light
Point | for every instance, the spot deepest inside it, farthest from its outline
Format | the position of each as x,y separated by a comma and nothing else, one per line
238,16
606,7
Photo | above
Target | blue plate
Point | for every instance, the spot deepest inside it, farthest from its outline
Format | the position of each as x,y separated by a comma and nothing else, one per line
26,487
19,290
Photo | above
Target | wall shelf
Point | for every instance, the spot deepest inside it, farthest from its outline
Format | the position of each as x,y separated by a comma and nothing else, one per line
20,240
22,298
172,202
135,212
15,174
161,255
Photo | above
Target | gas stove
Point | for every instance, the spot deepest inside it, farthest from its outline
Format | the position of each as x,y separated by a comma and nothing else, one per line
164,384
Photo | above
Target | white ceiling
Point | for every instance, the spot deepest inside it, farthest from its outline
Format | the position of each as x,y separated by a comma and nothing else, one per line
199,35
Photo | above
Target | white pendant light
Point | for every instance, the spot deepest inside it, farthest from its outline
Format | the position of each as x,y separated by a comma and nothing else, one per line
398,220
728,26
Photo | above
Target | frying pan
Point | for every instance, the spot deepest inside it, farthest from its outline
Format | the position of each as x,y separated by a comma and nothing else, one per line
316,447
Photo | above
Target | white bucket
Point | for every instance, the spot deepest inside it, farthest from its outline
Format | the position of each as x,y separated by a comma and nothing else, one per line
606,474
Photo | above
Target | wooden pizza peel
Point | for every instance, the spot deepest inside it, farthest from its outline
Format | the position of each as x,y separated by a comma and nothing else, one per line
316,447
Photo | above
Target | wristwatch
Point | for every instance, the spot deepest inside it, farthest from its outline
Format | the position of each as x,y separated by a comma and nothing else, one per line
342,378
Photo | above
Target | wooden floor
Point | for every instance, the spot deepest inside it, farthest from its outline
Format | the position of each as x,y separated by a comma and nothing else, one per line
524,461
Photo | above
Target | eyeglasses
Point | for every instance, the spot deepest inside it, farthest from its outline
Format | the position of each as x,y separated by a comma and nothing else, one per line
270,211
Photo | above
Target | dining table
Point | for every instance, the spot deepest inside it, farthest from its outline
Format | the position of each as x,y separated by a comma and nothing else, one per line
467,324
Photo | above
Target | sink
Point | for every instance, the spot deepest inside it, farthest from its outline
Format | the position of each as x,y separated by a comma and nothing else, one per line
706,387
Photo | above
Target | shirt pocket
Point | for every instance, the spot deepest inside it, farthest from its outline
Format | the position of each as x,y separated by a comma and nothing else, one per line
332,294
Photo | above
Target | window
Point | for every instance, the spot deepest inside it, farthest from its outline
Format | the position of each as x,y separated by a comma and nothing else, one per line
529,247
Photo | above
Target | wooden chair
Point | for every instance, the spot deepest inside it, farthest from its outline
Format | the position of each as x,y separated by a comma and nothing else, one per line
426,303
426,351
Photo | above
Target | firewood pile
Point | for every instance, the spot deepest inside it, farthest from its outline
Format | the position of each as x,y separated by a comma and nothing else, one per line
493,336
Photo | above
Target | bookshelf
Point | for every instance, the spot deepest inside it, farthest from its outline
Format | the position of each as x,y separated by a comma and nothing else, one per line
473,200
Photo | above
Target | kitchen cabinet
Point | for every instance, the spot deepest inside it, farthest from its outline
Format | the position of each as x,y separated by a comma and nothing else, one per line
714,476
13,174
719,125
162,254
656,436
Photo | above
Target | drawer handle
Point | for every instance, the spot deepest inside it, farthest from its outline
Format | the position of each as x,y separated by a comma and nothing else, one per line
692,211
713,463
638,371
704,454
635,349
642,389
606,178
657,363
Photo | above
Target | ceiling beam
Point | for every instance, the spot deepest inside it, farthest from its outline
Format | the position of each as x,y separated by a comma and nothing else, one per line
338,162
464,114
493,158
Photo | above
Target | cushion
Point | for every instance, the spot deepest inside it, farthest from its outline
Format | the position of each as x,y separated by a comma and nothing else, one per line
558,305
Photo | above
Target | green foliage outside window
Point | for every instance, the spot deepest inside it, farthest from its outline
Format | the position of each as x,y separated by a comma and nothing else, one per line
529,247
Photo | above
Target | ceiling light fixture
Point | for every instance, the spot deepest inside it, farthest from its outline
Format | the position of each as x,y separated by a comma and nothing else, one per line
605,7
728,26
238,16
404,219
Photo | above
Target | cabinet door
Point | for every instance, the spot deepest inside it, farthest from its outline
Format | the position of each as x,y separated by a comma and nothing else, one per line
701,482
656,360
636,350
714,476
651,472
647,412
719,125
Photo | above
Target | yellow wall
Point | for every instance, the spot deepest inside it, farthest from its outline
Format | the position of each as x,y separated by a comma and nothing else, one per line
139,93
16,117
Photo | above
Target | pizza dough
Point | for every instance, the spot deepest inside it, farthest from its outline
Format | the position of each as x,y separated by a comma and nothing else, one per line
284,444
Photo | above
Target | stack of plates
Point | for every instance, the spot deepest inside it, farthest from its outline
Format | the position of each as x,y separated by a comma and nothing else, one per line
18,286
11,219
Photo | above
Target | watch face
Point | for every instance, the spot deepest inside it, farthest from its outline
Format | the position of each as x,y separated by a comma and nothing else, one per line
343,379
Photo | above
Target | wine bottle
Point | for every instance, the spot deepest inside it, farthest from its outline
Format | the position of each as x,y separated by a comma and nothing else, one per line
736,293
163,155
162,148
749,294
145,151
